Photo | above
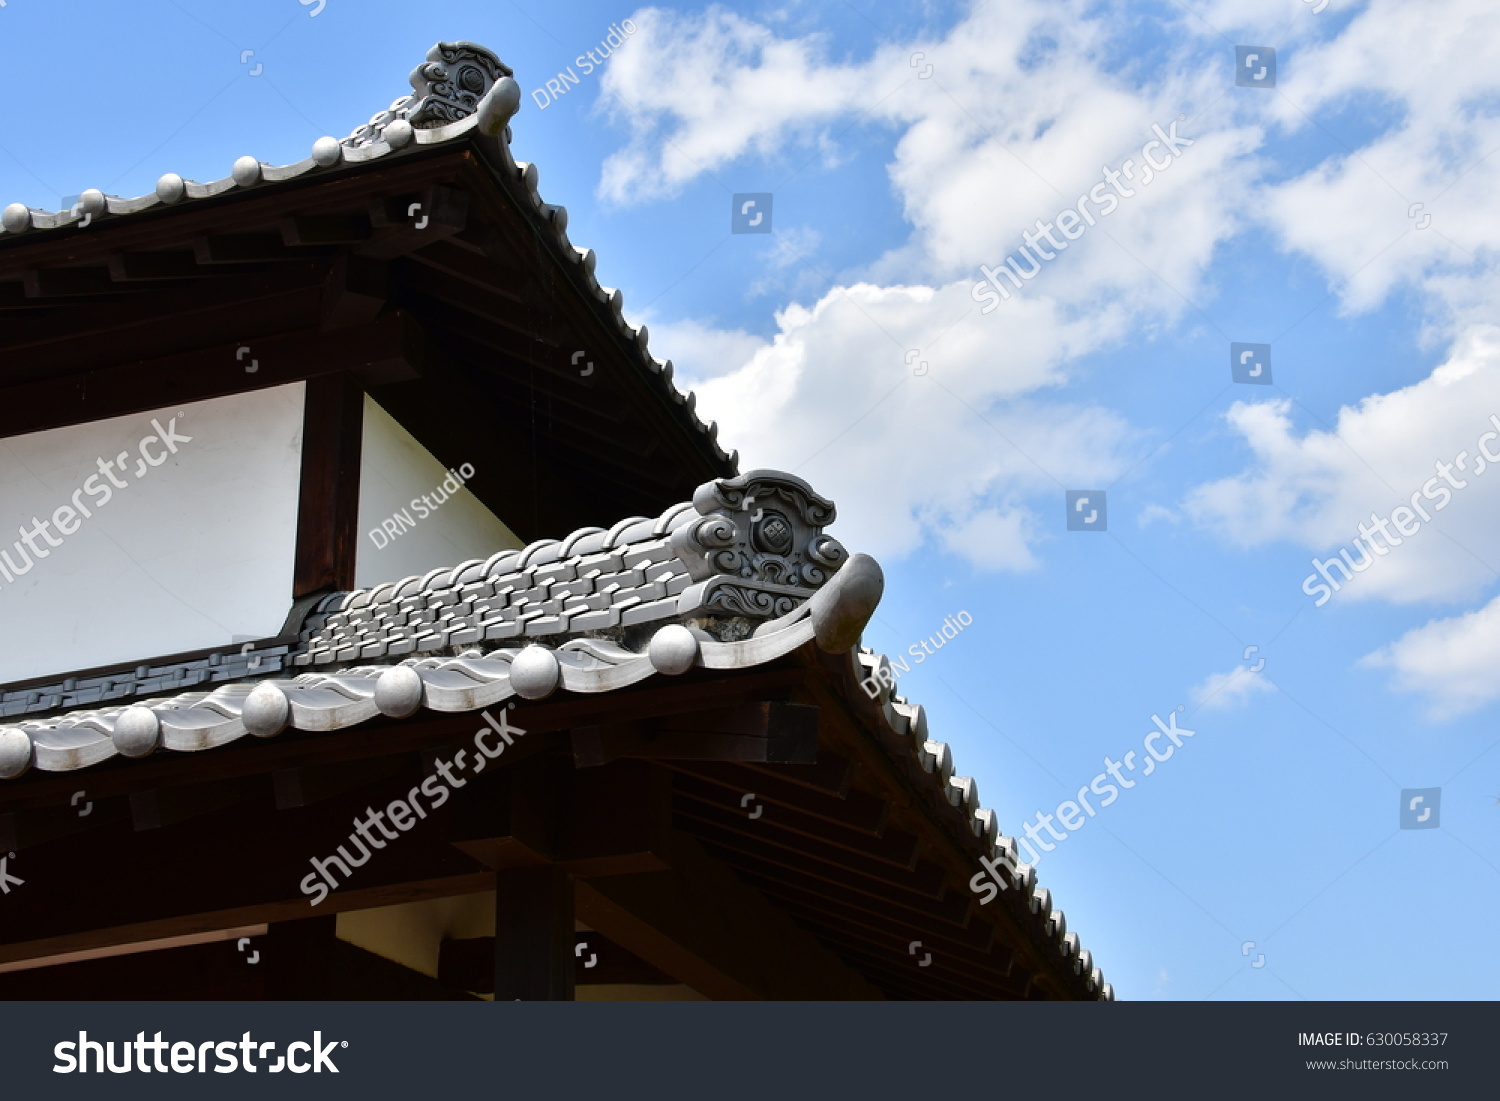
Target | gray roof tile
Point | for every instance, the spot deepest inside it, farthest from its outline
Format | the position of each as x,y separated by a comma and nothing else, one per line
339,695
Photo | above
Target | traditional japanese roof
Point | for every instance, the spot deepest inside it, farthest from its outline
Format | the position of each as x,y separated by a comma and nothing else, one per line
707,583
737,578
402,216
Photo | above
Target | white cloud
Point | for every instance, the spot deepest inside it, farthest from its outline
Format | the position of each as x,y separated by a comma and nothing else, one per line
1222,691
1151,514
701,350
1315,488
697,91
788,262
1024,105
1017,119
957,454
1432,67
1450,661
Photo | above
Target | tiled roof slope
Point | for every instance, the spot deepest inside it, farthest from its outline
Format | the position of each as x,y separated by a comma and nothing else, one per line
738,576
741,575
461,92
905,725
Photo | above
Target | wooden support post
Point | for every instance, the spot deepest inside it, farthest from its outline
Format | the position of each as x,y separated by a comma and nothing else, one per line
328,517
534,935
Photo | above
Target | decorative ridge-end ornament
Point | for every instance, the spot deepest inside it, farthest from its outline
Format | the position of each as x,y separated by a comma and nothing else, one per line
759,549
447,87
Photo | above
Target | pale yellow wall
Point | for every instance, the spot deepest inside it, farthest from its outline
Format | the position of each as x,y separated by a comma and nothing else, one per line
410,933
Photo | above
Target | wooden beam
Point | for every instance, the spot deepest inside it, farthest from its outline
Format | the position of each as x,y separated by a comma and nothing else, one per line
787,732
767,731
402,227
857,809
70,282
985,976
856,909
701,925
357,290
243,248
286,961
237,865
310,784
760,837
135,949
470,261
516,325
617,820
534,958
830,773
894,846
255,208
81,810
469,964
788,866
328,513
606,821
134,267
97,334
510,820
154,808
325,229
305,961
375,351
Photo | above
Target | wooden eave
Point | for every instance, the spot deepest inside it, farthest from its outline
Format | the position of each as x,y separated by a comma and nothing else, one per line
466,330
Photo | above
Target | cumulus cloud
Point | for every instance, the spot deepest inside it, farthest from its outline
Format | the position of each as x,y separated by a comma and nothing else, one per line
1451,662
1315,487
927,420
1222,691
1432,68
697,90
947,447
701,350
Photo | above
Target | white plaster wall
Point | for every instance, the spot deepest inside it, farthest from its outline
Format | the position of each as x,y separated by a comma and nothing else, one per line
396,471
186,556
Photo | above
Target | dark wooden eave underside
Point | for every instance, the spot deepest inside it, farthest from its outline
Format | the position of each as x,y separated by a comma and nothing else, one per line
645,790
466,330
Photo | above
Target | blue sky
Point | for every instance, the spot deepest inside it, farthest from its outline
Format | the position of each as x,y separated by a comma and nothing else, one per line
1291,220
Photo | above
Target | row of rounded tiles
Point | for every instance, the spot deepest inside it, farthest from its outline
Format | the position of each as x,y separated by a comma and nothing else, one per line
321,702
472,682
